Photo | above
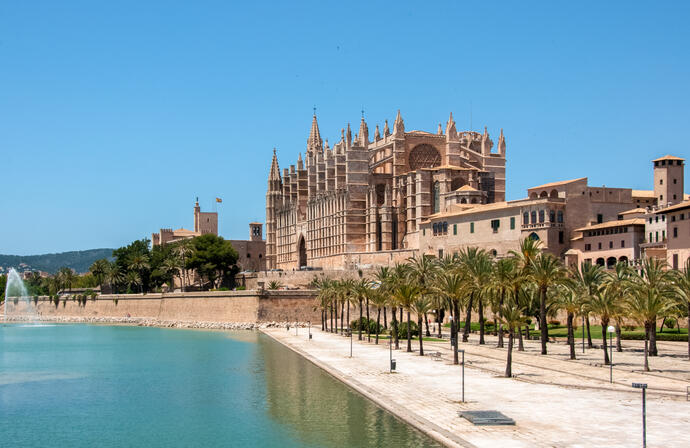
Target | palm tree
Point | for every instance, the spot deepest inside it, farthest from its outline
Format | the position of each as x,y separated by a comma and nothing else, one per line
398,276
588,278
98,269
512,315
406,294
603,304
66,277
476,265
422,271
134,279
500,284
568,299
139,263
113,276
683,286
452,286
421,305
618,283
379,299
545,271
644,305
361,291
655,278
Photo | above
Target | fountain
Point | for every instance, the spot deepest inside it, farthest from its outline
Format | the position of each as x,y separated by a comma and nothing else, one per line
17,299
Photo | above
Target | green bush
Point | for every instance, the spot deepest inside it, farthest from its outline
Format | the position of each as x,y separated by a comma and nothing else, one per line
371,324
402,330
670,323
639,336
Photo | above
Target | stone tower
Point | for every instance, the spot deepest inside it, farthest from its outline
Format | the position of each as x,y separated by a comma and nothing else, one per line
668,180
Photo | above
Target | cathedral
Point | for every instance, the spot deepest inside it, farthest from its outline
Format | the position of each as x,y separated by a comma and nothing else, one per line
362,201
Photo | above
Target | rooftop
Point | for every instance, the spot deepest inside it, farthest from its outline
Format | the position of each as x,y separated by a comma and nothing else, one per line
557,184
643,194
609,224
683,205
667,157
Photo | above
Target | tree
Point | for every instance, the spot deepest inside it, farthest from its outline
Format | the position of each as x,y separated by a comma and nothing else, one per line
99,269
512,315
618,284
214,260
545,271
568,299
421,305
361,291
603,304
500,285
422,271
683,286
476,266
406,294
588,278
453,287
66,278
379,299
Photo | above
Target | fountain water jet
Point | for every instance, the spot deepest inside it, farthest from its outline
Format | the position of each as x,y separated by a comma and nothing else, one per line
17,298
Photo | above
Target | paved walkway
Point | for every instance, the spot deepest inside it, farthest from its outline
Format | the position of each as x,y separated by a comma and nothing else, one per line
427,394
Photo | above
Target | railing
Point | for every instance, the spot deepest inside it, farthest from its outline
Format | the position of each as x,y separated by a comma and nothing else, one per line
541,225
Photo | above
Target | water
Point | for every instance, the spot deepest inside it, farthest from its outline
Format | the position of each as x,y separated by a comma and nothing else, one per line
16,292
85,386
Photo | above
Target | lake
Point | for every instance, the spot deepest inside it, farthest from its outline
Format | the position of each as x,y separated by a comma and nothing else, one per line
90,385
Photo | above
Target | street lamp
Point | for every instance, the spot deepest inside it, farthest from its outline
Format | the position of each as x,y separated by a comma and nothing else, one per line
611,329
463,374
643,386
351,342
583,333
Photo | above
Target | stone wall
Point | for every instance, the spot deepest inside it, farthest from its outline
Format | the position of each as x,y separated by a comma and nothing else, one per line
227,306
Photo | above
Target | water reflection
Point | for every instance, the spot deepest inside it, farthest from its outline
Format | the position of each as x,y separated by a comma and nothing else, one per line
324,412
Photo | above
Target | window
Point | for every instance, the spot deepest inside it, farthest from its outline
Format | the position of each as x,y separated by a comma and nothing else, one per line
675,232
437,197
552,216
471,227
440,253
512,222
599,246
600,218
249,255
622,243
588,247
673,218
541,216
682,216
525,218
534,217
560,237
656,218
650,220
435,229
674,197
455,229
661,197
610,244
675,261
663,218
424,232
663,235
445,228
495,223
650,237
657,237
661,181
560,216
674,181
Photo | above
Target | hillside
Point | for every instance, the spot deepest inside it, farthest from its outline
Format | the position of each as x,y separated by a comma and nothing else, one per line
78,260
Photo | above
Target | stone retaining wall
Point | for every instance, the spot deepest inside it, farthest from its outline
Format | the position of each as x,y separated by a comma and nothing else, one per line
225,306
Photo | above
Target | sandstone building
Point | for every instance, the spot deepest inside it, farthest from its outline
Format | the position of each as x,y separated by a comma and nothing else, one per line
364,200
204,222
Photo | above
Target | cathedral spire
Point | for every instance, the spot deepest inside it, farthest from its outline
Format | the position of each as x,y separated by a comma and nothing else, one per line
451,131
363,133
300,163
314,142
274,174
502,144
398,126
386,130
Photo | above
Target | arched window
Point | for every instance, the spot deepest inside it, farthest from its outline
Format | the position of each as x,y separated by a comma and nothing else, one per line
474,200
437,197
463,201
541,216
600,261
525,218
533,236
445,228
560,216
611,262
544,194
552,216
534,217
435,229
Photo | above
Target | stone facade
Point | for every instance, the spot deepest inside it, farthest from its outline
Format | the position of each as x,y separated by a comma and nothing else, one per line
251,253
204,222
364,200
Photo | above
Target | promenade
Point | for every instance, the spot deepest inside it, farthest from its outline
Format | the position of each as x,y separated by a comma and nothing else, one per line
555,402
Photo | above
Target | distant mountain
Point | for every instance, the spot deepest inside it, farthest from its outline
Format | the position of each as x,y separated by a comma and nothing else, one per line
79,260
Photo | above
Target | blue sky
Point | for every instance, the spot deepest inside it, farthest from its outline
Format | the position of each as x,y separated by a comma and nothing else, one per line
114,116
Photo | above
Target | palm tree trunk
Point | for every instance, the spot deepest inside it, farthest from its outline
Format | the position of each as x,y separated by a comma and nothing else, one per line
394,327
455,327
509,361
378,319
401,314
323,321
426,323
331,307
542,321
439,322
646,346
571,336
348,315
619,347
589,334
604,324
652,339
385,319
689,329
359,325
481,321
421,346
342,315
409,333
500,325
521,345
468,320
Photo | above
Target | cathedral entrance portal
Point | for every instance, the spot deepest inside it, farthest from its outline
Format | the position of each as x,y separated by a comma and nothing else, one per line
302,251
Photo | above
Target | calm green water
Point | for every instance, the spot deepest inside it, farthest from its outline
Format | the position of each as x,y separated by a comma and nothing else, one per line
86,386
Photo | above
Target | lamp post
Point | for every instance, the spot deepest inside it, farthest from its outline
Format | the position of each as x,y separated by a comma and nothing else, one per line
453,336
583,333
463,374
611,329
309,324
643,386
351,342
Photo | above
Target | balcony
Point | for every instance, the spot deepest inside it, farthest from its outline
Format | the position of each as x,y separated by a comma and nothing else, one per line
543,225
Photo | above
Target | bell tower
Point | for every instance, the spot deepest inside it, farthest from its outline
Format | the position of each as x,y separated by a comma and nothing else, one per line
668,180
